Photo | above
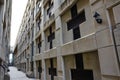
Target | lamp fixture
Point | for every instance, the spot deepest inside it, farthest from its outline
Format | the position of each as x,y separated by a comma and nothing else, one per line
97,18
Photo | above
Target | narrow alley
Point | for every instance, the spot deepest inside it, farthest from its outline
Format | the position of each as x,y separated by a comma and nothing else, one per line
60,39
17,75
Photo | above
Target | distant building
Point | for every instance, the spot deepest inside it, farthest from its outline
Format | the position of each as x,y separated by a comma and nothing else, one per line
5,26
70,40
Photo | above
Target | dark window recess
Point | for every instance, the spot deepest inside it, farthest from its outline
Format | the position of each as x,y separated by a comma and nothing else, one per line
76,32
50,3
32,63
32,51
51,46
52,70
76,20
38,24
74,12
50,6
80,73
39,46
48,10
29,22
40,69
50,14
32,13
32,32
51,37
79,61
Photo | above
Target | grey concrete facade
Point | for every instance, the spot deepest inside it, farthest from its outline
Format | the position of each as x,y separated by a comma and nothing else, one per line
5,26
58,38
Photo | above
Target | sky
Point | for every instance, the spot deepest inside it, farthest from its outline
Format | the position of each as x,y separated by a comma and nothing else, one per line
18,8
10,58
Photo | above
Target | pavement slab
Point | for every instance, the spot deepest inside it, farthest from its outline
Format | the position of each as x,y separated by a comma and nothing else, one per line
17,75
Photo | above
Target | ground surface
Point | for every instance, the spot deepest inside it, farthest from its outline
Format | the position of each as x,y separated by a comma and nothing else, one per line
17,75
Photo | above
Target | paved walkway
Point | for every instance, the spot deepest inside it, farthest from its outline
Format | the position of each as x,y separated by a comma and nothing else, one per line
17,75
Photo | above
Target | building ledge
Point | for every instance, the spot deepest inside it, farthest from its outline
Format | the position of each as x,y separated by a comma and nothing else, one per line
50,53
66,5
84,44
37,56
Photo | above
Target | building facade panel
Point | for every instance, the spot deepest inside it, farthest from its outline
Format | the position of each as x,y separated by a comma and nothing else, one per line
71,39
5,26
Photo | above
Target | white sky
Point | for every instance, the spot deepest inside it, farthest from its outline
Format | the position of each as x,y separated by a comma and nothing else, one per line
18,8
10,58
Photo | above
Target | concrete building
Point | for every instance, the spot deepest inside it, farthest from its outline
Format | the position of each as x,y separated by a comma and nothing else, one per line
5,24
70,40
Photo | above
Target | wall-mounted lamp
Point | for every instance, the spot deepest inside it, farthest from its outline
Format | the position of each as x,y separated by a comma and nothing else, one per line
97,18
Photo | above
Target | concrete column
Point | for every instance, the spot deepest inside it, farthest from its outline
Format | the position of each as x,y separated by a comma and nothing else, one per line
107,56
43,70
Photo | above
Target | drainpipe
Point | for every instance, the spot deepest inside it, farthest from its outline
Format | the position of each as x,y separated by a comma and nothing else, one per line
114,41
